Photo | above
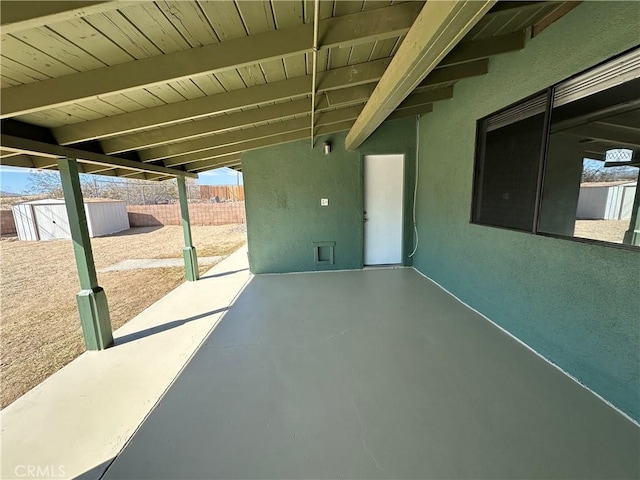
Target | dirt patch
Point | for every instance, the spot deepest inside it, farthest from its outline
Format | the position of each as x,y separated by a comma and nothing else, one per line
605,230
39,327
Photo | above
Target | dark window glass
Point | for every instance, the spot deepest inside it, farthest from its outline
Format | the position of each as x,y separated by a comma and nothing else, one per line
507,166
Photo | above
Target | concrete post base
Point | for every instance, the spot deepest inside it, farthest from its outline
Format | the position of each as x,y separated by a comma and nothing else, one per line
94,315
191,264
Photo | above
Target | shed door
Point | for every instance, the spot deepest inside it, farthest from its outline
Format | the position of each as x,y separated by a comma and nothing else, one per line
383,185
52,222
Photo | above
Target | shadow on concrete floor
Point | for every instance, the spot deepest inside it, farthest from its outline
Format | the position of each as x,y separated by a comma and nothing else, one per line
223,274
164,327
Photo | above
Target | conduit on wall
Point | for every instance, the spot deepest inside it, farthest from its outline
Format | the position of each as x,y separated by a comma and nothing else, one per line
415,188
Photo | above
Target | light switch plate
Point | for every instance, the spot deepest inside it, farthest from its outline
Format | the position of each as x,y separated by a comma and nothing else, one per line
324,202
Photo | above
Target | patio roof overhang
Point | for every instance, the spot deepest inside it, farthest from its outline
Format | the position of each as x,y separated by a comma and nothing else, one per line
156,90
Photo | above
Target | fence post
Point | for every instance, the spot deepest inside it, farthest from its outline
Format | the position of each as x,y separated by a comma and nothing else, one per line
92,301
189,252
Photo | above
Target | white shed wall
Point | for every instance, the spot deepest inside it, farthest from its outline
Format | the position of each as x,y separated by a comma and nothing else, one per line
592,202
25,225
105,218
626,203
606,203
48,219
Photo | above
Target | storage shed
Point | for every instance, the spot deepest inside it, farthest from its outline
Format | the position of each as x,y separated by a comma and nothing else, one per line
47,219
606,200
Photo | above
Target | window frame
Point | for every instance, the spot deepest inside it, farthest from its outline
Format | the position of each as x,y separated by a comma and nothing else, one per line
480,149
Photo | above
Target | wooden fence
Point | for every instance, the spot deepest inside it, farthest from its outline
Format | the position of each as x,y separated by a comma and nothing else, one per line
224,193
7,225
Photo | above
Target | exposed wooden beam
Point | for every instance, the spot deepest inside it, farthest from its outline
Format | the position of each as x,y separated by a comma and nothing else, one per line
555,15
207,126
608,134
211,126
234,166
487,47
411,111
220,103
104,170
101,169
426,98
360,93
628,110
224,159
7,154
32,147
439,27
197,160
16,16
40,163
331,82
363,27
27,161
437,77
168,152
238,136
219,164
513,7
456,72
23,151
204,159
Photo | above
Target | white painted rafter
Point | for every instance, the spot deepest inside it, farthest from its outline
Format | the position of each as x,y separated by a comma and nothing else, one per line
440,26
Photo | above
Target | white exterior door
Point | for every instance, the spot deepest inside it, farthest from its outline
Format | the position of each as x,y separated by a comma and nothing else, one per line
383,186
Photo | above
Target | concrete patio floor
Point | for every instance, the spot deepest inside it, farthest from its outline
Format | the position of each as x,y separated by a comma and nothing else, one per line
361,374
372,374
78,420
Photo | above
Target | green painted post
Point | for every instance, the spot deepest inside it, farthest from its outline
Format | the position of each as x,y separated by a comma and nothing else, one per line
189,252
92,301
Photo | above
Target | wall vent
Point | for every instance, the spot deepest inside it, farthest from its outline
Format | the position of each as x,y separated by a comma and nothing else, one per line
323,253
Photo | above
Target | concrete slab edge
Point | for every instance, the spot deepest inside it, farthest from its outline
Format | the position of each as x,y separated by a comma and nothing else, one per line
554,365
173,380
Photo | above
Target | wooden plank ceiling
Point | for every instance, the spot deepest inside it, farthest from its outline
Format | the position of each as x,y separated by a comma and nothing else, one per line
155,89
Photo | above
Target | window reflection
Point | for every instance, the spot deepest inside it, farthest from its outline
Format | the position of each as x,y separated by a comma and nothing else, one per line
591,172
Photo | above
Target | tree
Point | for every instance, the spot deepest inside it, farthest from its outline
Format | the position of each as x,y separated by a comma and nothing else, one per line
596,171
48,183
44,182
135,192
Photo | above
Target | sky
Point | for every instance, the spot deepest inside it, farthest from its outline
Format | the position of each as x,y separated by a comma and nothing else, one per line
15,180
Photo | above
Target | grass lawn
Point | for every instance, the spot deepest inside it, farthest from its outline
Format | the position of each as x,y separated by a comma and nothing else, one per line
39,324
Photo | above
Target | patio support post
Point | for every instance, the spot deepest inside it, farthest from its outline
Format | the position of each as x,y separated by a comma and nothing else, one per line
189,252
92,301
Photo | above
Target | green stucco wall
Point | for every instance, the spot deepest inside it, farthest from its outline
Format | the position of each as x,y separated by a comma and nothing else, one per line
283,188
577,304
